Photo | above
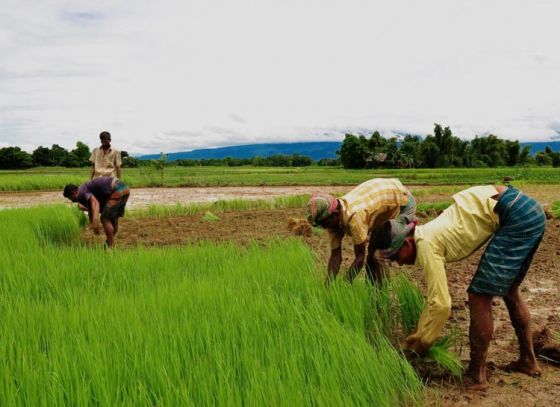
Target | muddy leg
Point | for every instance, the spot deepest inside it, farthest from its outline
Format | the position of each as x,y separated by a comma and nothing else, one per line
109,231
115,223
480,332
521,321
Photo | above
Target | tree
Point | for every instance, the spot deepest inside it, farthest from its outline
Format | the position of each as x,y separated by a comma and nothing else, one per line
14,158
352,152
42,157
429,152
82,154
58,155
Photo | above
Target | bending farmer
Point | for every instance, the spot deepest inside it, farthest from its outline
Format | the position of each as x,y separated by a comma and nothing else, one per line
356,214
517,224
104,195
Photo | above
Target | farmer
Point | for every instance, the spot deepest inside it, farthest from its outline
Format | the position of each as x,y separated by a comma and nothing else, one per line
106,161
105,196
517,225
356,214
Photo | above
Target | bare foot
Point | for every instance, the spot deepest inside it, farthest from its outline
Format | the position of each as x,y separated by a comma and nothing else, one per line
530,369
474,385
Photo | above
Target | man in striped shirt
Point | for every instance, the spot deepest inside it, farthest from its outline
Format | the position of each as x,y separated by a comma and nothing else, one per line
356,214
516,224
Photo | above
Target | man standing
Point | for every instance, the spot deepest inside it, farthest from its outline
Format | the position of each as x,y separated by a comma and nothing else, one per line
517,224
105,196
356,214
106,161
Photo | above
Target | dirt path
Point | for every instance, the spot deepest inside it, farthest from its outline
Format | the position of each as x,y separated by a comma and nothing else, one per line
541,289
142,197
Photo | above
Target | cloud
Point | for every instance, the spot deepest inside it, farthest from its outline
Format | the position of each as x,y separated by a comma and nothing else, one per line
178,75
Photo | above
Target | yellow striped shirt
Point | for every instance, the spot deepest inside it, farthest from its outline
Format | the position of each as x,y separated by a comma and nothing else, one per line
371,202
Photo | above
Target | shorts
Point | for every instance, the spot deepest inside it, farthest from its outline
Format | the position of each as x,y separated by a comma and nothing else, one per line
115,205
509,254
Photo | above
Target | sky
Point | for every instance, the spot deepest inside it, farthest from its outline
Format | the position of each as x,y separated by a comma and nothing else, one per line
177,75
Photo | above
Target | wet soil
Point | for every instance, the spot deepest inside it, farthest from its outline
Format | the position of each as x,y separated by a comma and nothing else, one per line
540,288
142,197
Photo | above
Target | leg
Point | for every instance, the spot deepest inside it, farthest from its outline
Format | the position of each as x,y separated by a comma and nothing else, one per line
480,332
109,231
521,321
115,223
375,271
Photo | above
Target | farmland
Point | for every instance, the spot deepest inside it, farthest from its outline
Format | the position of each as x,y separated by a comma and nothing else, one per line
222,303
56,178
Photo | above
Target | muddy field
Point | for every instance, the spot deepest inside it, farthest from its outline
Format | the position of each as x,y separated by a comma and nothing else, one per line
142,197
540,288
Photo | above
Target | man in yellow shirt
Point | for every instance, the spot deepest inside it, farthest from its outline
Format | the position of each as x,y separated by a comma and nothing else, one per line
106,161
517,224
355,215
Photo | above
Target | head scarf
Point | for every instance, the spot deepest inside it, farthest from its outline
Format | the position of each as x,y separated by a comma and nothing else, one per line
320,207
400,229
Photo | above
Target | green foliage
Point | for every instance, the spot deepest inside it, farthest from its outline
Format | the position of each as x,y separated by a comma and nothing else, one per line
440,150
196,325
14,158
556,209
210,217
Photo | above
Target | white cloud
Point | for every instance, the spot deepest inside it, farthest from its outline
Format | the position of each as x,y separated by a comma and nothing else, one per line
174,75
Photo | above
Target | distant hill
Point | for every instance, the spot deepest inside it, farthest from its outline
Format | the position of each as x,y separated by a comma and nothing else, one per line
315,150
541,145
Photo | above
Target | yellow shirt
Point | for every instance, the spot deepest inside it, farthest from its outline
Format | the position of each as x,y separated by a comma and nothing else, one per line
458,232
105,163
363,206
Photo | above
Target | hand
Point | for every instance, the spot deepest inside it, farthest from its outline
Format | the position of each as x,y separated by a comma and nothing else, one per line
415,345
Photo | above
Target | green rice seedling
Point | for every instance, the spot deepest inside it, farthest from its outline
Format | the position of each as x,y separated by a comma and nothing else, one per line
174,176
284,202
556,209
411,303
410,300
210,217
198,325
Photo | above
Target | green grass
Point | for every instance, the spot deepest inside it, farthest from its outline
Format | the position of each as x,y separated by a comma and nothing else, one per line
56,178
230,205
198,325
556,209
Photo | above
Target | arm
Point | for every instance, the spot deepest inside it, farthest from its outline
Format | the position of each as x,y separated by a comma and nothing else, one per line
359,260
92,159
118,164
94,214
334,264
438,302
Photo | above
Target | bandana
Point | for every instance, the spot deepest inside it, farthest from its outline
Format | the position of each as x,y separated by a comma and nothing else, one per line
320,207
400,229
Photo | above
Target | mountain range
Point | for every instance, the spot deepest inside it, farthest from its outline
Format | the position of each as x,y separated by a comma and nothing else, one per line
315,150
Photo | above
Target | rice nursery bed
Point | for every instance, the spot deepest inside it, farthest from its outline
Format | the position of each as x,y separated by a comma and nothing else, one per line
203,324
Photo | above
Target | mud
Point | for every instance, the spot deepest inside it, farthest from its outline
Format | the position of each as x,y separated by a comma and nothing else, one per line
142,197
540,288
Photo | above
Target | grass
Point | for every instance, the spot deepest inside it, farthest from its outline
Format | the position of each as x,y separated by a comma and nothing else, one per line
230,205
198,325
56,178
556,209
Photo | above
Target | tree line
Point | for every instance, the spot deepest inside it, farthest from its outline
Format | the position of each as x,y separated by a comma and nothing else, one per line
439,150
14,158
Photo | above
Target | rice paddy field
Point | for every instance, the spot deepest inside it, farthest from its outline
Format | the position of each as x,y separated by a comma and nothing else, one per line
224,303
55,178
